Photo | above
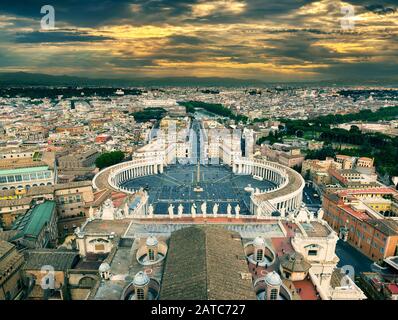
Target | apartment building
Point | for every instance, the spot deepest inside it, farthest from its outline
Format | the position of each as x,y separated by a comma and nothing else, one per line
360,225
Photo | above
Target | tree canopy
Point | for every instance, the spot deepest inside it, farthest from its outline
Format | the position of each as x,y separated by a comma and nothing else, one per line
109,159
382,147
216,108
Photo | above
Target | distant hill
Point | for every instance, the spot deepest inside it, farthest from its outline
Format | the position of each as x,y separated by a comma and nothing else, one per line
38,79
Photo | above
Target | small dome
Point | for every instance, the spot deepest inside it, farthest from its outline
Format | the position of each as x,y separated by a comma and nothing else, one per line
259,242
141,279
151,241
294,262
273,279
104,267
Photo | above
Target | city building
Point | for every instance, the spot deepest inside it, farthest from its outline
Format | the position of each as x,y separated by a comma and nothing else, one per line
37,228
381,283
283,154
73,203
351,215
78,160
47,270
11,262
24,173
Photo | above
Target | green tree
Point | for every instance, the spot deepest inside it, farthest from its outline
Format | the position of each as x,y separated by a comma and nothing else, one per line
109,159
299,133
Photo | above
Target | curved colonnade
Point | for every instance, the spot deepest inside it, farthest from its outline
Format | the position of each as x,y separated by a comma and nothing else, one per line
285,198
116,175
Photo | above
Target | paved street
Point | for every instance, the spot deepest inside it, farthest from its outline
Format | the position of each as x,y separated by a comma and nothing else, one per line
350,256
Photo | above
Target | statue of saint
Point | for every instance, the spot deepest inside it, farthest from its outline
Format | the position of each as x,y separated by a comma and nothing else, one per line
150,210
171,210
320,214
215,209
193,210
203,207
229,210
237,210
180,210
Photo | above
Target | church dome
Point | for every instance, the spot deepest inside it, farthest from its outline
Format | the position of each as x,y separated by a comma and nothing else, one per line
273,279
151,241
141,279
258,242
294,262
104,267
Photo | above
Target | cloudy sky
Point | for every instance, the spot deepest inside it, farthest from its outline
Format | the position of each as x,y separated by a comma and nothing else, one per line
282,40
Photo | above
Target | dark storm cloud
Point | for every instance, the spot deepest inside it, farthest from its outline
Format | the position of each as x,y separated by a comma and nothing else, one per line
130,62
77,12
186,40
93,13
380,9
99,12
281,33
57,37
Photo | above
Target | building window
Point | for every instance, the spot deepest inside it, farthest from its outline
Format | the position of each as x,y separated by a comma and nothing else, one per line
140,294
312,252
259,256
151,255
274,294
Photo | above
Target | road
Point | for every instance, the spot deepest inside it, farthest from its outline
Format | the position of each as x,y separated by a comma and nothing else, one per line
352,257
313,203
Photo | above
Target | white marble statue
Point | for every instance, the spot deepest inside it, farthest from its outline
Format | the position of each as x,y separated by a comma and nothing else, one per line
229,210
150,210
303,215
193,210
171,211
237,210
91,212
180,210
320,214
215,209
108,210
119,214
203,208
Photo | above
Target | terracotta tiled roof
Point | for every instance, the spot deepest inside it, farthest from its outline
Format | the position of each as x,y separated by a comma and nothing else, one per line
203,263
60,260
294,262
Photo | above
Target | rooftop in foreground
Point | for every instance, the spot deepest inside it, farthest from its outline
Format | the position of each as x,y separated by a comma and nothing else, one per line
204,276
